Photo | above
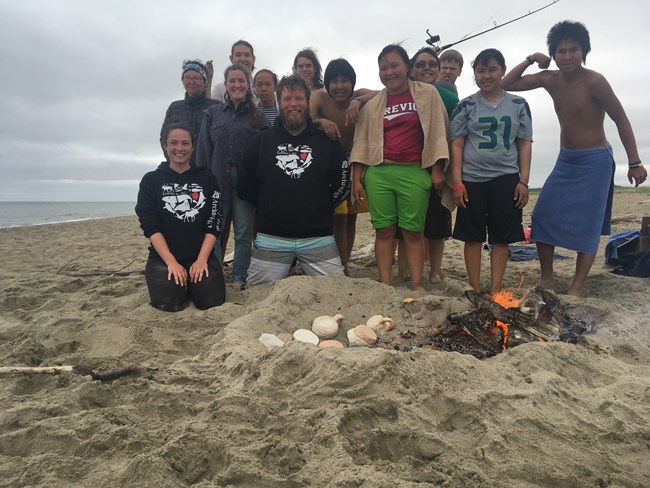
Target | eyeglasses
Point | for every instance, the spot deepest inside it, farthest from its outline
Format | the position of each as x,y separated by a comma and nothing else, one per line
424,64
195,79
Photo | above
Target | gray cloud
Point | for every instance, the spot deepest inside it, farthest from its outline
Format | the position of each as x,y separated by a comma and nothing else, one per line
86,84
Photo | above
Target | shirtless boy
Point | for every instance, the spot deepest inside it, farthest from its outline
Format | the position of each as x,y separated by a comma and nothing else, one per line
328,110
574,208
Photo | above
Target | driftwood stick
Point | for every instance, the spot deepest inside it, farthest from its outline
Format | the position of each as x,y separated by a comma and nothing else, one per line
8,370
68,263
112,374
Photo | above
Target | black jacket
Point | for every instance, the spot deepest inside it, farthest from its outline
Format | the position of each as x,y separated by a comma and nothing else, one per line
184,207
190,110
294,181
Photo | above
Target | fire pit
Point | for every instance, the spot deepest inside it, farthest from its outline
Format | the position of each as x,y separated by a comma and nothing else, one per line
498,323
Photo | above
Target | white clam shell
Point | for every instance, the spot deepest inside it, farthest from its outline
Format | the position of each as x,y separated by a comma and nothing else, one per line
271,341
361,335
380,324
375,320
354,341
285,337
327,327
366,334
304,335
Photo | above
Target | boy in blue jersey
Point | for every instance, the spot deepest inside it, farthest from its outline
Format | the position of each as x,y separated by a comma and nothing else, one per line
491,142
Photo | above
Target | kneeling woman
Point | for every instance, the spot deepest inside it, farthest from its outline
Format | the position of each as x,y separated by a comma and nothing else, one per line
179,209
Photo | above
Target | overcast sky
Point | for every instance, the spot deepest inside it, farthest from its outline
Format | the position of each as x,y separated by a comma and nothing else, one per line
85,84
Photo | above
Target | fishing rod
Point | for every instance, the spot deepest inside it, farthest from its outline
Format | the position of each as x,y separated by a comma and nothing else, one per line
433,39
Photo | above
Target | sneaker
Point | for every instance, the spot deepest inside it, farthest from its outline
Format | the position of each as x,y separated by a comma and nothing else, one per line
239,285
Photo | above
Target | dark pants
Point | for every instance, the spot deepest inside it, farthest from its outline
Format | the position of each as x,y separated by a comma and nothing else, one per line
168,296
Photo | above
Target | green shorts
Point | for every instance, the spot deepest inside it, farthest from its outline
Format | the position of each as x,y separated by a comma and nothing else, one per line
397,194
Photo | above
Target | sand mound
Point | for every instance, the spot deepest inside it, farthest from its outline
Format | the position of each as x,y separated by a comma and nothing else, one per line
221,411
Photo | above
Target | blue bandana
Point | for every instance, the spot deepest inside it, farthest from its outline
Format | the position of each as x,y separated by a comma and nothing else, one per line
198,68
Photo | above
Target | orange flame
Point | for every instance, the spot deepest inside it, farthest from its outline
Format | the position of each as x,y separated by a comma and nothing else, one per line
506,299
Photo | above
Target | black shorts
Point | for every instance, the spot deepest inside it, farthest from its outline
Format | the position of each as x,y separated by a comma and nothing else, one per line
491,205
437,224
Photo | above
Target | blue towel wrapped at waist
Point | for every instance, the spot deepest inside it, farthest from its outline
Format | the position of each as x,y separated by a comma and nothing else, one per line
616,241
575,206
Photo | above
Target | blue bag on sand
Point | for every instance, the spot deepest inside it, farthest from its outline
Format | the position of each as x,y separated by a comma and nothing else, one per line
615,242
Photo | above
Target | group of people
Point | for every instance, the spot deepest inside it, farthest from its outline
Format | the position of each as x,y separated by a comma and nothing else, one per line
292,162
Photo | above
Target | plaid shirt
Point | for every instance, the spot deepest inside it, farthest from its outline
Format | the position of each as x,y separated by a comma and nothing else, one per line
224,135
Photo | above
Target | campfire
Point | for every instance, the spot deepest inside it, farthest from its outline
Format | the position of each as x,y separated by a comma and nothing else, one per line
499,322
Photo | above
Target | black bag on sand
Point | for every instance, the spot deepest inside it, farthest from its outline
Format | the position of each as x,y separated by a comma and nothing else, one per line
634,264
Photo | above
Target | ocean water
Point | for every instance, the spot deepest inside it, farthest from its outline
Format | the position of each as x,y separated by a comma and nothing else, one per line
17,214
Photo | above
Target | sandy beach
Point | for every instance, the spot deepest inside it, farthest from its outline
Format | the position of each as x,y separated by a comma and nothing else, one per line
217,409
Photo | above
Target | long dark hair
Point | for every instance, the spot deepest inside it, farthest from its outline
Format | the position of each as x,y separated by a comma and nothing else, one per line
318,69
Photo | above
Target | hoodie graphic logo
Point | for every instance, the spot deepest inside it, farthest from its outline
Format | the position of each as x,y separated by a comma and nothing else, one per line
293,160
183,201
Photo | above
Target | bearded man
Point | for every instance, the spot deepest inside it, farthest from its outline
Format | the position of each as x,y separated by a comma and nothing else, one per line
295,176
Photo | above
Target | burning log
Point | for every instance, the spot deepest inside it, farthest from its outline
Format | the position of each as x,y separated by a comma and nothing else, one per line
472,324
491,326
571,327
495,324
512,316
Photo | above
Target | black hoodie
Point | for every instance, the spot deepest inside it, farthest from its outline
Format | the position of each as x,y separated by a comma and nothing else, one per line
295,182
184,207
